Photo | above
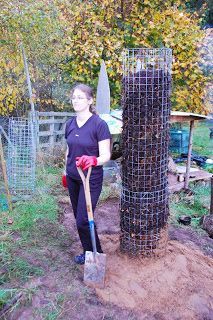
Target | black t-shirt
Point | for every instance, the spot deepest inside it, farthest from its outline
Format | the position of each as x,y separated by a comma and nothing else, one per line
84,141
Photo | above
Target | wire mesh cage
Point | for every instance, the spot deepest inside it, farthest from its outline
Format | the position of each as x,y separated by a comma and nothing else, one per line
21,156
146,88
143,216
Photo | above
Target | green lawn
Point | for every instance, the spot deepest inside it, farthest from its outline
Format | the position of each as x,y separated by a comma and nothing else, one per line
202,144
194,206
200,201
30,228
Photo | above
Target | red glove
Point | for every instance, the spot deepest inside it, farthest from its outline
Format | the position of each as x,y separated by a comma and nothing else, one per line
86,161
64,181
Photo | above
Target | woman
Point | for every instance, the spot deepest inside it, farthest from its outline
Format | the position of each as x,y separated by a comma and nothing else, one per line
88,144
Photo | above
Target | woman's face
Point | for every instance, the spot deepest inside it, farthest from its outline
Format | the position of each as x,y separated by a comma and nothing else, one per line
80,101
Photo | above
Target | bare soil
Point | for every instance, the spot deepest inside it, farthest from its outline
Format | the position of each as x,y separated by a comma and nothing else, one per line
177,286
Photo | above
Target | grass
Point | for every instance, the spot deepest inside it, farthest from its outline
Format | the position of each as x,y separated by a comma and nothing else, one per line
194,206
26,214
18,268
15,295
25,221
28,236
202,144
198,206
6,295
54,308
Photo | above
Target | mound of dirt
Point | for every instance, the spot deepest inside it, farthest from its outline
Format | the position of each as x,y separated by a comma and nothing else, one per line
177,286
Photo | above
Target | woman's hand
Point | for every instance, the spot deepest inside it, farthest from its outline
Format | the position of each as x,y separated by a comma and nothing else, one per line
86,161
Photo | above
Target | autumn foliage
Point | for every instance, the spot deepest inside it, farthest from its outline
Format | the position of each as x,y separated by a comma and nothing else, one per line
65,42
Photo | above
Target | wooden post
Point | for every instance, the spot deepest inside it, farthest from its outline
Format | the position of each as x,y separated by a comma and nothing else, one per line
186,184
63,141
38,124
4,172
211,203
52,135
28,78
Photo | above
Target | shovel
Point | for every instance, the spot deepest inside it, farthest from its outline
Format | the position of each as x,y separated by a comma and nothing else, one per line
95,263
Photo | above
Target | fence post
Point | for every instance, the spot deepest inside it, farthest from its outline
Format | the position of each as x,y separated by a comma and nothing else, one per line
63,128
211,203
36,128
51,140
188,164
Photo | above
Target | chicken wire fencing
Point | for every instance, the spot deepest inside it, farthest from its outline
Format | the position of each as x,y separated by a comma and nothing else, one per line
146,88
21,156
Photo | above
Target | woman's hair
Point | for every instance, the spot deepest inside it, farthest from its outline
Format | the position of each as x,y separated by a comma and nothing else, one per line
89,94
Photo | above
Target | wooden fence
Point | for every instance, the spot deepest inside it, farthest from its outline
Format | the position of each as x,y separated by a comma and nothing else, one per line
51,128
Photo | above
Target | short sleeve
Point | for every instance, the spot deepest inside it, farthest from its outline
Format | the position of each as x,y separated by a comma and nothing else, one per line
103,132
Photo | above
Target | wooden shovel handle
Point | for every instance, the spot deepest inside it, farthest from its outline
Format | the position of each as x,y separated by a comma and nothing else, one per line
83,177
85,180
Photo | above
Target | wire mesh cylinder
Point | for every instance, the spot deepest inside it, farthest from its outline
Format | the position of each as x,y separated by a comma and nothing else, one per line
146,87
21,157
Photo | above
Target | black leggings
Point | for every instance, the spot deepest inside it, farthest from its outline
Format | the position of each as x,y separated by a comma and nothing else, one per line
77,197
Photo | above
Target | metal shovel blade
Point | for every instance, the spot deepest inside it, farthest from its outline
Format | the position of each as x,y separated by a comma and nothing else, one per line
94,269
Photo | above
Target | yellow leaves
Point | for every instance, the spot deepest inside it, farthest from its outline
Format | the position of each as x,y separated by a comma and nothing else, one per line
157,17
118,15
175,71
193,76
11,107
92,30
2,96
